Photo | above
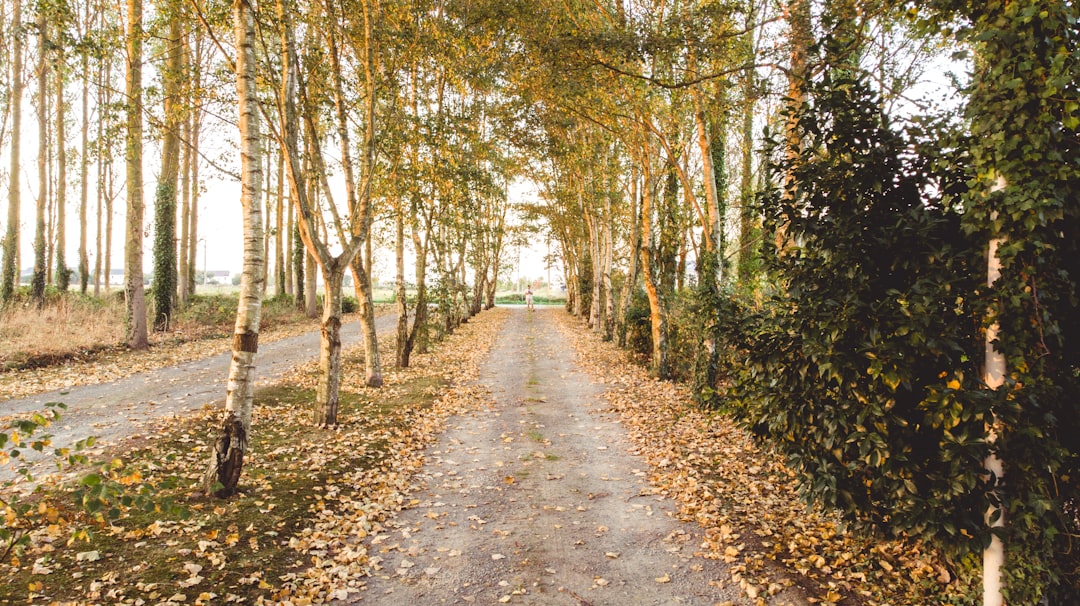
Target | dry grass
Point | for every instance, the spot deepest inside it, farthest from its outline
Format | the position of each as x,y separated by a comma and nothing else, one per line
65,328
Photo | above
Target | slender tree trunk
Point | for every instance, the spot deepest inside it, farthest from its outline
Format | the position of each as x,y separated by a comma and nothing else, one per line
63,279
368,336
110,177
606,252
747,218
630,285
290,258
400,297
298,256
165,198
801,38
269,195
994,369
227,452
133,243
37,285
84,169
11,236
327,391
183,290
418,336
310,286
659,363
99,169
192,253
280,235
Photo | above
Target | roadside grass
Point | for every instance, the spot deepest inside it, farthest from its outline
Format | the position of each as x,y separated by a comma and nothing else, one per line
69,326
308,497
73,327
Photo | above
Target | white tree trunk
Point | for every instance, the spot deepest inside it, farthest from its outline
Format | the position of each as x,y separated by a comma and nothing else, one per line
227,453
994,376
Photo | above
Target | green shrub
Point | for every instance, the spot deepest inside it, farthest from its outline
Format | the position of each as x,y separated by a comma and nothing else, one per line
858,369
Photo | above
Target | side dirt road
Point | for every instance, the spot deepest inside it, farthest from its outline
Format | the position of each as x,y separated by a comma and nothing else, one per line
133,406
543,499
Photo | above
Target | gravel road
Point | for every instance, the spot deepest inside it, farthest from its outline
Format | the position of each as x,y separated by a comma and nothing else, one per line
131,407
541,500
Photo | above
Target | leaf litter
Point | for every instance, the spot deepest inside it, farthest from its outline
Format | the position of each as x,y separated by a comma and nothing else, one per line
308,497
744,497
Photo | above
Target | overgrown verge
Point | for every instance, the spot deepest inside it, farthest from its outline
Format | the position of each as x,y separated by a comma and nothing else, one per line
745,498
308,497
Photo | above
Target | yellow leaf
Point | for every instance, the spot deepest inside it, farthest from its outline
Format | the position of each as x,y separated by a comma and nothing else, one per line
664,579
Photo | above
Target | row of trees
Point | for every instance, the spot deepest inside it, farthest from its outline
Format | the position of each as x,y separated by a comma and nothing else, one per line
832,291
824,283
87,61
351,123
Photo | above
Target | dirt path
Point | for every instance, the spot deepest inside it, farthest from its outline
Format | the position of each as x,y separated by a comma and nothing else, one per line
540,500
134,406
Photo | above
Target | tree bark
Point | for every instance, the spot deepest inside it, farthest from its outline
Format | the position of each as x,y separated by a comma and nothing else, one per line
403,347
657,316
165,197
37,284
133,242
84,168
11,236
280,234
192,253
311,296
362,286
630,285
227,452
63,279
183,292
329,385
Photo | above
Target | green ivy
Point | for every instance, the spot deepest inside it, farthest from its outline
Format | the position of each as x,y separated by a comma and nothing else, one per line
858,368
1024,117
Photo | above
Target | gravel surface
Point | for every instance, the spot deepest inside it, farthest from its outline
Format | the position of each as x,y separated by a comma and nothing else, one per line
541,500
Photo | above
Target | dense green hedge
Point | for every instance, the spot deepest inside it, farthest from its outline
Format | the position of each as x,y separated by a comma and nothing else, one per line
864,366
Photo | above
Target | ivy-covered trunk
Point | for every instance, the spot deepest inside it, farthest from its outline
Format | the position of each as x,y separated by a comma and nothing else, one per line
165,271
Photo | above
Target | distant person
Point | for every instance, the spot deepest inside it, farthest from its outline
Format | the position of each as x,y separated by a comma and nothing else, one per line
528,299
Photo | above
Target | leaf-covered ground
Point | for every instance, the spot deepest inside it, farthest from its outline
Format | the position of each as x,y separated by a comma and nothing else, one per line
317,505
539,500
744,496
309,495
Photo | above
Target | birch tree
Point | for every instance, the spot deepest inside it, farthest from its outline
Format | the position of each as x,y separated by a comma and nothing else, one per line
228,450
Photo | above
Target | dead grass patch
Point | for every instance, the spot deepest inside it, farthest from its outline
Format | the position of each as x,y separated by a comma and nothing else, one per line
64,329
